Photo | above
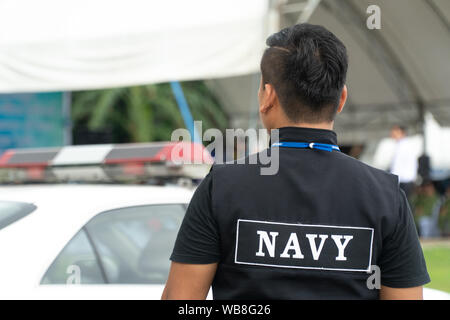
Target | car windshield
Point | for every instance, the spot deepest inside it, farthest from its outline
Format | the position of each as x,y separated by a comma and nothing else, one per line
11,211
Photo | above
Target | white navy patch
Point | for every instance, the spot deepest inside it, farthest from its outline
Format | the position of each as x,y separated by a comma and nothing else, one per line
287,245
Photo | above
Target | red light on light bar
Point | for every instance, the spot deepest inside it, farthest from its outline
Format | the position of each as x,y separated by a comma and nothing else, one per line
5,158
185,152
134,168
36,173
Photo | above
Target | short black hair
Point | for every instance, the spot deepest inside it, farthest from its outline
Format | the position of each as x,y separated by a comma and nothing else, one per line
307,66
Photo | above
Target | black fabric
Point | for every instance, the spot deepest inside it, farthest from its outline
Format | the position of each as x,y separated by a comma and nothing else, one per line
313,190
408,188
198,239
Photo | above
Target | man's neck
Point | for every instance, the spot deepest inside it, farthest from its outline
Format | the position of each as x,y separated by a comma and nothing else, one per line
324,125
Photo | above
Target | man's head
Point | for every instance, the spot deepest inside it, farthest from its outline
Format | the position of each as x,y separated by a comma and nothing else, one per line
398,132
303,77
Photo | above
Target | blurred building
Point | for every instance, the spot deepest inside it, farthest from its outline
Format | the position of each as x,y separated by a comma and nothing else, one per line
33,120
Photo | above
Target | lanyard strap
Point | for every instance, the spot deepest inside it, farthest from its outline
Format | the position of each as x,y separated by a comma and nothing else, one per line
305,145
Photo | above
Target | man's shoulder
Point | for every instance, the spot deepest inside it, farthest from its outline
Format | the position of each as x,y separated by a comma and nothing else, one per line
250,166
363,168
245,163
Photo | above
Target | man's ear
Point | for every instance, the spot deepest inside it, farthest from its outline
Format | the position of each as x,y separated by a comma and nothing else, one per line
270,98
343,99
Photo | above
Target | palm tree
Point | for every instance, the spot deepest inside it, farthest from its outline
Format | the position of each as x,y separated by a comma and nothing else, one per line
144,113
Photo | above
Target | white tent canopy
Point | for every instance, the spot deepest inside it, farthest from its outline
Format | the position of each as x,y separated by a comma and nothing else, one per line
395,73
53,45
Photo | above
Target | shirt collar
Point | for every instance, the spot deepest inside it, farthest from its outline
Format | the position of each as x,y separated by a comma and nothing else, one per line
300,134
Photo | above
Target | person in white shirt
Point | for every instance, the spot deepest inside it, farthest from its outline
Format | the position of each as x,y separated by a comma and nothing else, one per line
404,163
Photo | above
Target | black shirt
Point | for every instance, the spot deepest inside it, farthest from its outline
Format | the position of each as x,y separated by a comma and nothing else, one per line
311,231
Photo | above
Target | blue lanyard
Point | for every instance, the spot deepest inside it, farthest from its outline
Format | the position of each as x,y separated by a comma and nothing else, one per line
305,145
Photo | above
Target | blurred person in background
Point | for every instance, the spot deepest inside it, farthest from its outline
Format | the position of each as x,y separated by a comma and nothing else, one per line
423,203
444,215
404,165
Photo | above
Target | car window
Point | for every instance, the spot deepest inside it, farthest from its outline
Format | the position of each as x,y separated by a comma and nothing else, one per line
132,244
76,264
11,211
135,243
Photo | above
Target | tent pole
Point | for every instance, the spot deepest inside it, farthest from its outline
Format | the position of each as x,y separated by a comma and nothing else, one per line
424,160
184,110
422,124
67,117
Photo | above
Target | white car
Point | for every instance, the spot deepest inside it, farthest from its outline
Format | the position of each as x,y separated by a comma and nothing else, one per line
114,240
120,235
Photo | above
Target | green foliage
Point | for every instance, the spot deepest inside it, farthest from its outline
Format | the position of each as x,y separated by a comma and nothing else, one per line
145,113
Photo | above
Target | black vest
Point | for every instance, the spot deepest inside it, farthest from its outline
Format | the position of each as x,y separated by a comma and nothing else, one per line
311,231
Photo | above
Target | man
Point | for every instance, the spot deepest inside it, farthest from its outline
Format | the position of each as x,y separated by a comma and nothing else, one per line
404,163
314,229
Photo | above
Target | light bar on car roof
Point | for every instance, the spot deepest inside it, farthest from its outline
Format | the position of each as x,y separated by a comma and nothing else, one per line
22,158
106,163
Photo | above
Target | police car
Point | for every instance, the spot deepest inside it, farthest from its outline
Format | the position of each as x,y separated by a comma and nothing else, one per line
97,240
87,234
